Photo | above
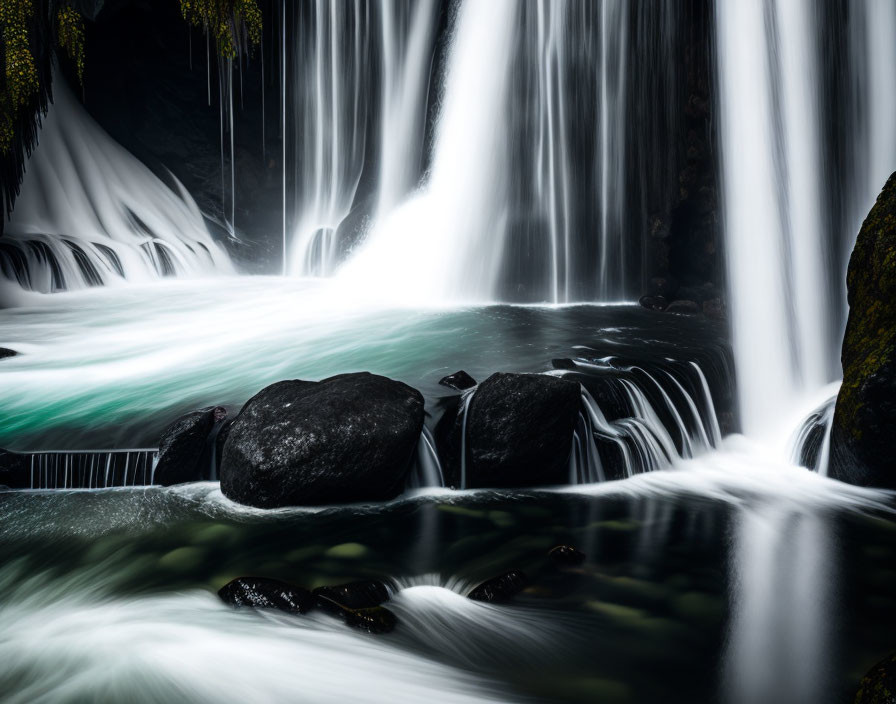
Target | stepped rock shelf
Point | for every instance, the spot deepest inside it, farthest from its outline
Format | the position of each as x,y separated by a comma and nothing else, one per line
363,437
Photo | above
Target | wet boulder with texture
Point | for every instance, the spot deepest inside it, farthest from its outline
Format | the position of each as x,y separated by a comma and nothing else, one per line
863,441
266,593
345,439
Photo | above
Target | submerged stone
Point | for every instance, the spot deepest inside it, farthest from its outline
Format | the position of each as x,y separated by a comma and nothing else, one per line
657,303
6,352
878,686
501,588
863,443
360,594
460,381
183,445
566,555
347,438
265,593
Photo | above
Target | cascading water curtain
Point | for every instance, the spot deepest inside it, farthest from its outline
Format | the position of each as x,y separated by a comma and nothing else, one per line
802,156
501,168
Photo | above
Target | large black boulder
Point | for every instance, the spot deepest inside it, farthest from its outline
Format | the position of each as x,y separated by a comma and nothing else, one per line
184,445
347,438
863,441
6,352
519,431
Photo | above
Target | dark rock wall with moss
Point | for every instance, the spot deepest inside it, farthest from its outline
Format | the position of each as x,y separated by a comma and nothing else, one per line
864,431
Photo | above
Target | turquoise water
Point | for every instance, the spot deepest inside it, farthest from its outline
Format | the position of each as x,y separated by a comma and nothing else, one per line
111,367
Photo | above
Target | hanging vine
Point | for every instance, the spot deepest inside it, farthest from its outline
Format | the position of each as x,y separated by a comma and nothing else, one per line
31,32
235,25
70,35
20,83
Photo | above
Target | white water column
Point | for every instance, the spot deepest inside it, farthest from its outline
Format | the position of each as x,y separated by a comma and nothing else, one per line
768,85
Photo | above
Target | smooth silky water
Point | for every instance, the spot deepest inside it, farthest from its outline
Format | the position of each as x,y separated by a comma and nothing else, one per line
728,575
731,575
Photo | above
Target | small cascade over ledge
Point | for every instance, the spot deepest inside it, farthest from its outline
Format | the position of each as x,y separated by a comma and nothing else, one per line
91,214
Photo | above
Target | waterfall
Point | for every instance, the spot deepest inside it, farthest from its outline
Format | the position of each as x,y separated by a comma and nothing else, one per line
769,107
328,68
792,201
445,243
91,214
529,150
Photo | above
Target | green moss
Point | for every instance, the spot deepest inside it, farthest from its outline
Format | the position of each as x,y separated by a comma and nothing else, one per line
879,685
869,346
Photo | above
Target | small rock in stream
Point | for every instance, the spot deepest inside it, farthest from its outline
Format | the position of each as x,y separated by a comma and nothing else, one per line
6,352
265,593
460,381
500,588
566,555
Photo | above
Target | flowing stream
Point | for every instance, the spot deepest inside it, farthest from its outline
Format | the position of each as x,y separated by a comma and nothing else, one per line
465,185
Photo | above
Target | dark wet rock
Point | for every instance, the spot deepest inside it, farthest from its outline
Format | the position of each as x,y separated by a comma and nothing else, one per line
715,308
863,443
518,432
14,470
878,686
183,445
566,556
347,438
657,303
360,594
376,619
501,588
460,381
220,440
684,307
565,363
265,593
6,352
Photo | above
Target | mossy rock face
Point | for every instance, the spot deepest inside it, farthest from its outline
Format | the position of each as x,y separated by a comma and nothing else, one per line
863,441
879,685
